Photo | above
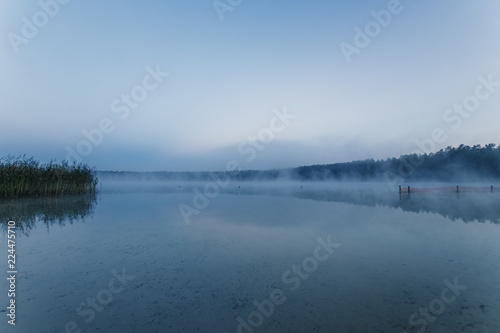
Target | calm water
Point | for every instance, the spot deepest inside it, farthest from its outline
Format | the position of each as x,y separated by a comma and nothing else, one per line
255,258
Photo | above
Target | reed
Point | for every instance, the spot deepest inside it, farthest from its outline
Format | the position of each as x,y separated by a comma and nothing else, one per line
21,176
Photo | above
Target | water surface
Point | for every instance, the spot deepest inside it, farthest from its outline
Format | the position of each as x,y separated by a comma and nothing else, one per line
252,244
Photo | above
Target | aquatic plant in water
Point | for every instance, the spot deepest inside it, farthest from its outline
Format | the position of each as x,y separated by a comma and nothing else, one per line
21,176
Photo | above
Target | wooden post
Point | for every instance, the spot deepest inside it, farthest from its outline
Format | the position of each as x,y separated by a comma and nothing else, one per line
400,189
408,189
457,188
491,188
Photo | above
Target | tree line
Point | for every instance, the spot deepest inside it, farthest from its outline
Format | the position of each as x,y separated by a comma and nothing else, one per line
460,163
476,162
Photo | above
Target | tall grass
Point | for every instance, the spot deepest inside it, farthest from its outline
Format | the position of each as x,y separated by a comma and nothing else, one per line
21,176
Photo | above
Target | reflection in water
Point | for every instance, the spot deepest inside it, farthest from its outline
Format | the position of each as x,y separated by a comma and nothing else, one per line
49,210
203,276
466,206
480,207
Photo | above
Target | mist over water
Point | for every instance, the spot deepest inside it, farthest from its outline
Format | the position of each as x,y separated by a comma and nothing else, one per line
473,202
255,243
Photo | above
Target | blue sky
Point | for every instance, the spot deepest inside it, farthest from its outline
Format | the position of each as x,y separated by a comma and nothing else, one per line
225,78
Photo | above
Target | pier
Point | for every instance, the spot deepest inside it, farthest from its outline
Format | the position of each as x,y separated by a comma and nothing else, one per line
457,189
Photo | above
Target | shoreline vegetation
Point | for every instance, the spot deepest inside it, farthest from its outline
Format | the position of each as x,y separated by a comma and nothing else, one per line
21,177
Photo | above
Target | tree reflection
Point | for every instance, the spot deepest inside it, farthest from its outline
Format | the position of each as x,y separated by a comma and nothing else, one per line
468,207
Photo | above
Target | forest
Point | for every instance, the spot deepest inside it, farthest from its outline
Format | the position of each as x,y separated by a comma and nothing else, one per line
464,162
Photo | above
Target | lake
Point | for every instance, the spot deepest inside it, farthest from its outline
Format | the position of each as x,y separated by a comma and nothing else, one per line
255,257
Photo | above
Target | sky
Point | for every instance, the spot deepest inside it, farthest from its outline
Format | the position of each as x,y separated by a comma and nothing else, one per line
191,85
